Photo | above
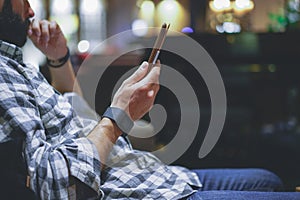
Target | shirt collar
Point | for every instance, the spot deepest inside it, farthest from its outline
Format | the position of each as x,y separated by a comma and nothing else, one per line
11,51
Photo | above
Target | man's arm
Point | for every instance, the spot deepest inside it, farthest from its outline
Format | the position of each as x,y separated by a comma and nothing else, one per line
64,80
48,37
135,96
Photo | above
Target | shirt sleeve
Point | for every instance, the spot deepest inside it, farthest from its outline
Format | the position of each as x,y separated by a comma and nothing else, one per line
52,159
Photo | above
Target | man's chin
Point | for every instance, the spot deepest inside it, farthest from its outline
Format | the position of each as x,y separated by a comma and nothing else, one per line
19,39
15,29
20,42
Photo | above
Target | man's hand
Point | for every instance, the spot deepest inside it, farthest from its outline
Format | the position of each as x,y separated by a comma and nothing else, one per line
48,37
135,96
137,93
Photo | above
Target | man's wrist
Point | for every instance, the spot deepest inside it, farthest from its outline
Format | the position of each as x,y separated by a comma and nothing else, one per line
111,128
59,62
120,117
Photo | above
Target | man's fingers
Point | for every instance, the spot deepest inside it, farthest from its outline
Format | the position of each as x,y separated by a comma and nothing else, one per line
35,27
45,30
155,72
53,29
138,74
152,76
34,31
39,31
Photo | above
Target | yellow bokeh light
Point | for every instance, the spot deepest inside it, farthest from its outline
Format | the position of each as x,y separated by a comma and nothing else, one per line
148,6
147,12
62,7
220,6
170,11
90,6
243,5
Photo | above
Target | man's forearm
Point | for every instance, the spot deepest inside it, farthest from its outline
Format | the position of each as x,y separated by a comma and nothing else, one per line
64,80
104,136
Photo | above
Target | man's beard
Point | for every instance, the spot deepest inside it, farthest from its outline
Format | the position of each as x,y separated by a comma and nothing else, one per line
12,28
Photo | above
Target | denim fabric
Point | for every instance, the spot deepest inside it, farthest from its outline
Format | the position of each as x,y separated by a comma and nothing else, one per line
244,195
240,184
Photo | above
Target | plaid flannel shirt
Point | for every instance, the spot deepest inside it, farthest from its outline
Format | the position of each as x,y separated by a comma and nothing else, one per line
56,151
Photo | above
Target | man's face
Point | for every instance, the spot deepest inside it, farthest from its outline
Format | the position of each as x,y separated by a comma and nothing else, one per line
14,21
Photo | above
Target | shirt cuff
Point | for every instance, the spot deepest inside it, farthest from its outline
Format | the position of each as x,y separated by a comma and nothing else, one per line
86,165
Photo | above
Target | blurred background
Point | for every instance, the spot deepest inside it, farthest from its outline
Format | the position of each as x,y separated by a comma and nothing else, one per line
255,44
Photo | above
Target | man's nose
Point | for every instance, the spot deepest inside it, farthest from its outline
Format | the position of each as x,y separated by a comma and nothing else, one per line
30,12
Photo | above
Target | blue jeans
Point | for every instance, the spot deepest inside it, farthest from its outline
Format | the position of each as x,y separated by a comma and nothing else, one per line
245,184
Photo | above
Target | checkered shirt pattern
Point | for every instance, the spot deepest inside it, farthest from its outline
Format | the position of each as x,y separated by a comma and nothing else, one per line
56,151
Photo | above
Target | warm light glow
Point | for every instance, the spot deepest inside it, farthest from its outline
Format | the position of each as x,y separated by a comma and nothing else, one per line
147,12
228,11
169,5
90,6
61,7
139,28
83,46
148,6
243,5
239,6
220,5
68,23
171,11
